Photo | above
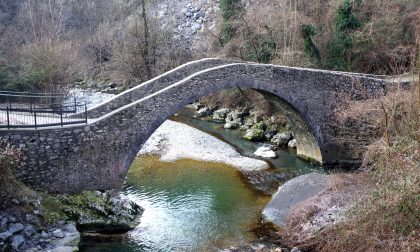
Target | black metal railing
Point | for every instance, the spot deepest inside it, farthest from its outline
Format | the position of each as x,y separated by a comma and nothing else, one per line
14,99
35,110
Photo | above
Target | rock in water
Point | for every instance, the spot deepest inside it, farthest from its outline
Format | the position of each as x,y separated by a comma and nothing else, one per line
120,216
197,106
220,114
292,144
291,194
282,139
265,152
270,133
203,112
231,125
256,133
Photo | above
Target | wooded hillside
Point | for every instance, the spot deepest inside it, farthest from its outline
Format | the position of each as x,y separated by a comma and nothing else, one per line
50,43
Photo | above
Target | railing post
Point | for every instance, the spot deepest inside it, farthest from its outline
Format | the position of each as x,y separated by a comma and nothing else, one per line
61,115
35,118
75,106
86,113
8,119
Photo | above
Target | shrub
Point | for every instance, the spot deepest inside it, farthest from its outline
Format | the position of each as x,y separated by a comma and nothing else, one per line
9,161
231,10
309,45
341,45
12,80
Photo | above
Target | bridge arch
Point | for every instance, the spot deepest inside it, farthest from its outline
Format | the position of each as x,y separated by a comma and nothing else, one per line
98,155
308,135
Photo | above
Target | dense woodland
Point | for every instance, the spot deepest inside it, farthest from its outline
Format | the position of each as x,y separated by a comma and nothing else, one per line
50,43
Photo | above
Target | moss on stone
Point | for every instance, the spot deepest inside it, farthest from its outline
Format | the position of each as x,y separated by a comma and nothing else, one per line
256,133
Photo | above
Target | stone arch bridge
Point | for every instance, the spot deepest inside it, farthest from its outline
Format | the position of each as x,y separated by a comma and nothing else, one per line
97,155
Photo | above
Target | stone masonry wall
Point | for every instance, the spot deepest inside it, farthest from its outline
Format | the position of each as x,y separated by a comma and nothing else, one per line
98,155
156,84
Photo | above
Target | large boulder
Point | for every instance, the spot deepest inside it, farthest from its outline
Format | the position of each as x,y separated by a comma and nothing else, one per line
197,106
235,115
232,125
116,216
220,114
255,133
203,112
270,132
292,144
249,121
291,194
282,139
265,152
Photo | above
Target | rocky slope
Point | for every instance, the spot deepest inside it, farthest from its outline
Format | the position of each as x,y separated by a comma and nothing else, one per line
190,21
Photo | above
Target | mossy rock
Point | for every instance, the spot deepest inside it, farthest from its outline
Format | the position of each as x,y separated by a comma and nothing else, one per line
93,212
259,126
254,135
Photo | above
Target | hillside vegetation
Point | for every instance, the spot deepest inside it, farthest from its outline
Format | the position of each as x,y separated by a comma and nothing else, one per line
45,45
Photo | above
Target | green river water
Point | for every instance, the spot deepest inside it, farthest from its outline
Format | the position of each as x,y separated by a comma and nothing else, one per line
192,205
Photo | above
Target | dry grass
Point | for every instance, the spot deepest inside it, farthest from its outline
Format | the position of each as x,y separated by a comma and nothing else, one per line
388,218
9,187
327,208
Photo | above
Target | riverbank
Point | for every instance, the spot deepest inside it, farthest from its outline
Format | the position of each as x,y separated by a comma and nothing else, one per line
35,221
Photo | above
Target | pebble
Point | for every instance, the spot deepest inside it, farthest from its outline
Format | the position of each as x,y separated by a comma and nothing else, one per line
3,224
58,233
29,230
15,228
4,236
44,234
64,249
17,241
29,217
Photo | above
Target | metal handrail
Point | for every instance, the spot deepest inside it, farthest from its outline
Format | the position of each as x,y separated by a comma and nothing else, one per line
30,93
39,110
32,96
35,118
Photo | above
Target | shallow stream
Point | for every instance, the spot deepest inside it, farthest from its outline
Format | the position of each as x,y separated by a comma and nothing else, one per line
193,205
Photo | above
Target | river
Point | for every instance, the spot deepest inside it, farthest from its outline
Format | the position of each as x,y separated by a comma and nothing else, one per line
195,205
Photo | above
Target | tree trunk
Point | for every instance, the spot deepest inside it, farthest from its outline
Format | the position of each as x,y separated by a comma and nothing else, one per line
146,51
